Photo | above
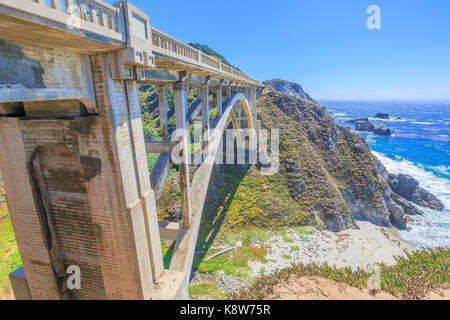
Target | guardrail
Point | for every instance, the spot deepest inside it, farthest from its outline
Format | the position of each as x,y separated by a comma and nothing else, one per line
94,11
169,46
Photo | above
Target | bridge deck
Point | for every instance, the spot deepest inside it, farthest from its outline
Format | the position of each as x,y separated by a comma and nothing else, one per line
93,26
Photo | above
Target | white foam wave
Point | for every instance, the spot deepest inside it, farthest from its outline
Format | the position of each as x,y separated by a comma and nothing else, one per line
430,230
389,120
424,123
433,228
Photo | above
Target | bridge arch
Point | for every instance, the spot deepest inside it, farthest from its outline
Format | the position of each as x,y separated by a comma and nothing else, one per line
237,111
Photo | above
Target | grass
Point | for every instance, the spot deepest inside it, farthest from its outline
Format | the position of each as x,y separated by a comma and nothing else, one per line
305,232
167,252
285,237
234,263
411,278
9,254
206,291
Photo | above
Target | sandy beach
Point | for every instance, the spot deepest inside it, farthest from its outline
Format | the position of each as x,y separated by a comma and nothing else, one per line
363,248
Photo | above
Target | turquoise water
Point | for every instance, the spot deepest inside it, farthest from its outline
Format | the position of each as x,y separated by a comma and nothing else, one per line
419,146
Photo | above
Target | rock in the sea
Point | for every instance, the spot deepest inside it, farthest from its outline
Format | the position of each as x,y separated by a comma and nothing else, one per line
357,120
382,131
425,199
408,187
364,126
382,116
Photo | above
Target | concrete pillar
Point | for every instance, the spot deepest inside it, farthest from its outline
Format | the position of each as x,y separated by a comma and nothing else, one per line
229,91
181,113
204,96
253,103
219,99
162,98
79,191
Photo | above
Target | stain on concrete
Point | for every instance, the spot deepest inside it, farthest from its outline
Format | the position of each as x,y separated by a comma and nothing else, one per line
18,69
92,167
84,125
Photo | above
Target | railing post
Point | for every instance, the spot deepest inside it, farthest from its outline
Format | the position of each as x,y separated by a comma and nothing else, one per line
162,98
181,112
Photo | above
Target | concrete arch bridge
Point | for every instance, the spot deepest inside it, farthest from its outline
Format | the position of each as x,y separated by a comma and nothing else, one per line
73,154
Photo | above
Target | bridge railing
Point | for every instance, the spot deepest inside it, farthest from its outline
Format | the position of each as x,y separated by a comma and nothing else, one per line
97,12
169,46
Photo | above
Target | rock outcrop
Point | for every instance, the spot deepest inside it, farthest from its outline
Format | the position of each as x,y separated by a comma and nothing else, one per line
357,120
382,116
330,170
382,131
290,88
408,188
364,126
407,206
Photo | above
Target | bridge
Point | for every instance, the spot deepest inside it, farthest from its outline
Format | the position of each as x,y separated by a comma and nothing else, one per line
73,153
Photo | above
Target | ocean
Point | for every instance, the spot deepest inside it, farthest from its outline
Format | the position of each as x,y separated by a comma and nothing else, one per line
419,146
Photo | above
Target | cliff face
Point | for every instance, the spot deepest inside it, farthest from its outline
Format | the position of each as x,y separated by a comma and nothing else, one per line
329,169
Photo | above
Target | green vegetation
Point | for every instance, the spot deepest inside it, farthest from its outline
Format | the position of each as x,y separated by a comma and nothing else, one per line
285,237
9,254
206,291
234,263
411,278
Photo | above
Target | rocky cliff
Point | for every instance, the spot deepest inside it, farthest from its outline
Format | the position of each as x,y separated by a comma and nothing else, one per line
329,169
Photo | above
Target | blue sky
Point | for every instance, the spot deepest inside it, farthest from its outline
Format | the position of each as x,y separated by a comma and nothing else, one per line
324,45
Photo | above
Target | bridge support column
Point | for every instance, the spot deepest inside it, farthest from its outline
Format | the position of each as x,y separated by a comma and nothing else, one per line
204,96
181,112
219,99
162,98
252,99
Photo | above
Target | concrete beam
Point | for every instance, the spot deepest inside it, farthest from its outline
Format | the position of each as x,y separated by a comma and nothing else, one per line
161,147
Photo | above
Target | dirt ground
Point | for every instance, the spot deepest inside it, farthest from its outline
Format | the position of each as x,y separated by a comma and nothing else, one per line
315,288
